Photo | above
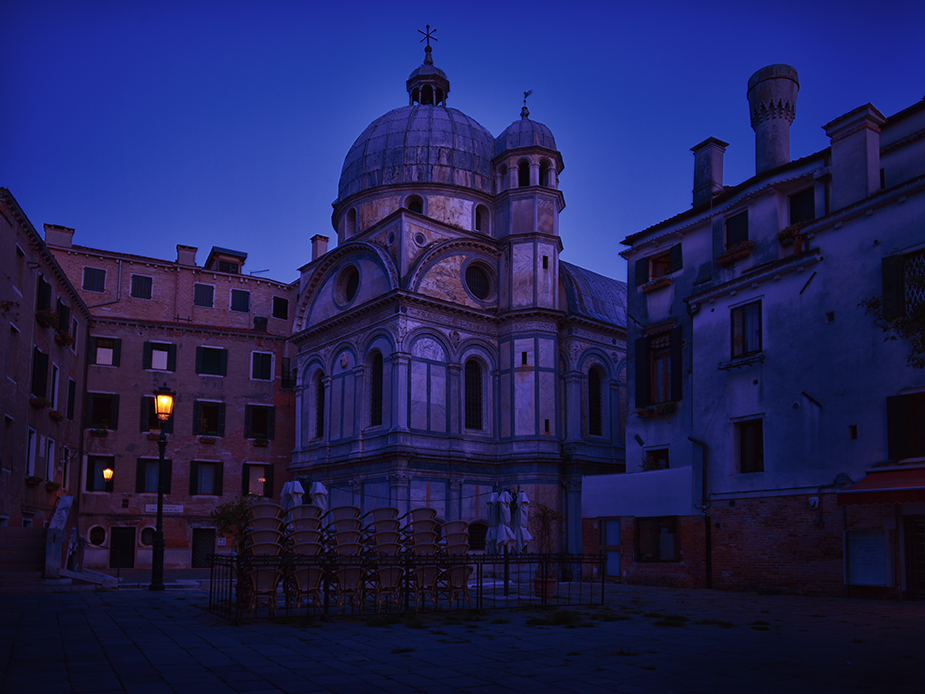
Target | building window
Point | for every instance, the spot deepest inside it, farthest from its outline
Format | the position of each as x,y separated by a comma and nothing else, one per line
261,366
42,295
658,368
750,437
20,267
802,206
318,391
94,279
240,300
478,281
657,539
159,356
523,174
416,204
655,459
903,284
147,536
905,433
347,284
595,419
31,441
737,229
280,307
481,218
375,389
149,418
64,315
609,545
544,173
141,287
205,478
106,351
660,372
208,418
146,475
259,422
211,361
96,482
71,398
258,480
474,395
97,536
660,265
39,387
746,329
74,327
228,266
203,295
53,393
102,410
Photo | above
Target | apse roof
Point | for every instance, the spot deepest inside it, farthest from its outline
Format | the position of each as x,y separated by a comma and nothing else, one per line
594,296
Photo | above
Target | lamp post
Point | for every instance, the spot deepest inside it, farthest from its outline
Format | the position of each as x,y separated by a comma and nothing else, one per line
163,406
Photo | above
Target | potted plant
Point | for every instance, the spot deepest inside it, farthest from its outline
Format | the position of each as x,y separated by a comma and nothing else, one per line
99,433
735,252
261,442
64,338
52,486
208,440
47,318
545,521
55,415
33,480
40,403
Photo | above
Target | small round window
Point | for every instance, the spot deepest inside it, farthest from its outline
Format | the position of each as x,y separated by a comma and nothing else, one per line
348,282
97,536
147,536
420,239
477,281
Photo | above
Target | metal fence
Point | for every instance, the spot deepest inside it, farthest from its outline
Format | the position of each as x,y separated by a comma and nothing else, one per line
261,586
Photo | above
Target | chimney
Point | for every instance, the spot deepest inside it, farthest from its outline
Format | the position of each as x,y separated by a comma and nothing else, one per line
855,139
319,246
772,102
708,169
186,255
56,235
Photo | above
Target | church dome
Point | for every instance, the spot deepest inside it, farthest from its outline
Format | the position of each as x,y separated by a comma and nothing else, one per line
421,143
524,133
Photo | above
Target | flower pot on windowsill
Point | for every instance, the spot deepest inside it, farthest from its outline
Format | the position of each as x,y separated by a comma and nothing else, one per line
736,252
207,440
64,339
33,480
657,410
47,318
52,486
55,415
99,433
261,443
39,403
153,435
656,284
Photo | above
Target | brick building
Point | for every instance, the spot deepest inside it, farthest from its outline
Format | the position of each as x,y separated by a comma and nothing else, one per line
43,353
216,337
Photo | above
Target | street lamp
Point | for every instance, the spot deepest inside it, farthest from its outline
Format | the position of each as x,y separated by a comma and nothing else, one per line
107,474
163,406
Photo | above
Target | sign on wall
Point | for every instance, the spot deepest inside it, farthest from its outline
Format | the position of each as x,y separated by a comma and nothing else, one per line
869,557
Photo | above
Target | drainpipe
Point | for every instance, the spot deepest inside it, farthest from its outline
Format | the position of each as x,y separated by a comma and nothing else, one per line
707,529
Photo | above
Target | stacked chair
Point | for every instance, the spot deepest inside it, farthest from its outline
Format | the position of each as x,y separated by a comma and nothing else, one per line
265,539
346,536
307,539
387,580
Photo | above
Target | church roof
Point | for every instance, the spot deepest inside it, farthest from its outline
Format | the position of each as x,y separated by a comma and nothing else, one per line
594,296
419,144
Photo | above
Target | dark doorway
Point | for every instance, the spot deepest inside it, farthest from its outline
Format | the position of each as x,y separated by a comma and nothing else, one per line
122,548
914,531
203,546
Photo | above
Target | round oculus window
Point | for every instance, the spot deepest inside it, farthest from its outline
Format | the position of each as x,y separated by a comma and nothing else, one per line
420,239
147,536
97,536
348,282
477,281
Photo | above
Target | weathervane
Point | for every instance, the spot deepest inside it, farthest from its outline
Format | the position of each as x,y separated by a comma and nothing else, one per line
428,35
524,112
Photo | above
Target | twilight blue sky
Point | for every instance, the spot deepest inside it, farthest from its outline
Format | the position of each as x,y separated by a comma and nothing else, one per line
144,124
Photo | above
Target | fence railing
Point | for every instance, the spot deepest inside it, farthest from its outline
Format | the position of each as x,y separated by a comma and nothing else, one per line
260,586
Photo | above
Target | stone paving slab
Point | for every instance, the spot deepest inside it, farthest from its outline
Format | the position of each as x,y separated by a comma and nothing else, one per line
643,640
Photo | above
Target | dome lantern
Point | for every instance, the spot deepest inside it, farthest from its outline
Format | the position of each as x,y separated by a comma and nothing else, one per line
428,85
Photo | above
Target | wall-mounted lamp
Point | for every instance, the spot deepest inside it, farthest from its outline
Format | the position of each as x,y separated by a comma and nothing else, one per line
107,474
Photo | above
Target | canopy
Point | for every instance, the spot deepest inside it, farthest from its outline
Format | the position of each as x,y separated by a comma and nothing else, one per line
887,487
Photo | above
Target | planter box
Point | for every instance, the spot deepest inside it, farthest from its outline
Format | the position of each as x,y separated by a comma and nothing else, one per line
99,433
46,318
656,410
207,440
655,285
33,481
39,403
153,436
261,443
55,415
64,339
52,486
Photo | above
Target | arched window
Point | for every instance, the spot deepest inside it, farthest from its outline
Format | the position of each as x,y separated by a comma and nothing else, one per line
523,174
318,388
481,219
375,389
473,387
350,223
544,173
594,402
416,204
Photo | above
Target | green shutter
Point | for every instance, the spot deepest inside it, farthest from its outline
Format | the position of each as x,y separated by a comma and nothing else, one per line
245,471
199,360
93,346
223,363
674,262
271,422
268,485
171,357
221,419
114,412
197,418
897,426
217,488
39,373
642,271
146,356
676,375
116,352
894,287
247,421
642,372
71,397
143,419
193,478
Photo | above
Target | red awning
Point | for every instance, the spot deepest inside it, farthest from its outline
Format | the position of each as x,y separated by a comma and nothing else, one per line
887,487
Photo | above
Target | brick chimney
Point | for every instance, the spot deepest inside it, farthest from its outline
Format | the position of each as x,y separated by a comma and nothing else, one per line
319,246
186,255
855,139
56,235
772,102
708,169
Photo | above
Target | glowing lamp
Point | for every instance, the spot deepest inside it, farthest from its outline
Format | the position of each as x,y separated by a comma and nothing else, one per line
107,474
163,402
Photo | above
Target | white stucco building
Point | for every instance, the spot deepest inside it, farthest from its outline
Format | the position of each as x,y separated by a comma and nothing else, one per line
777,440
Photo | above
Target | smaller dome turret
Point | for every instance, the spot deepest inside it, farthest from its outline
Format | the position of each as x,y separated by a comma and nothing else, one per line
524,133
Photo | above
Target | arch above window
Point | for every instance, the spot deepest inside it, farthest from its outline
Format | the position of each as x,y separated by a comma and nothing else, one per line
595,404
415,203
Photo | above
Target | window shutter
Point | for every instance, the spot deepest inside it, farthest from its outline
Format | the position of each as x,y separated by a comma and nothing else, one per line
247,421
197,418
168,464
674,262
39,373
143,419
897,427
245,474
114,412
223,363
894,289
199,360
116,351
676,375
139,475
217,489
93,347
221,419
642,271
146,356
91,471
642,372
71,397
271,422
64,317
268,485
193,478
171,357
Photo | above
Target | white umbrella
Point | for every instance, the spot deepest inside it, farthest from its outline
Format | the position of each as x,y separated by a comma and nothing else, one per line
492,534
505,536
319,495
521,521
